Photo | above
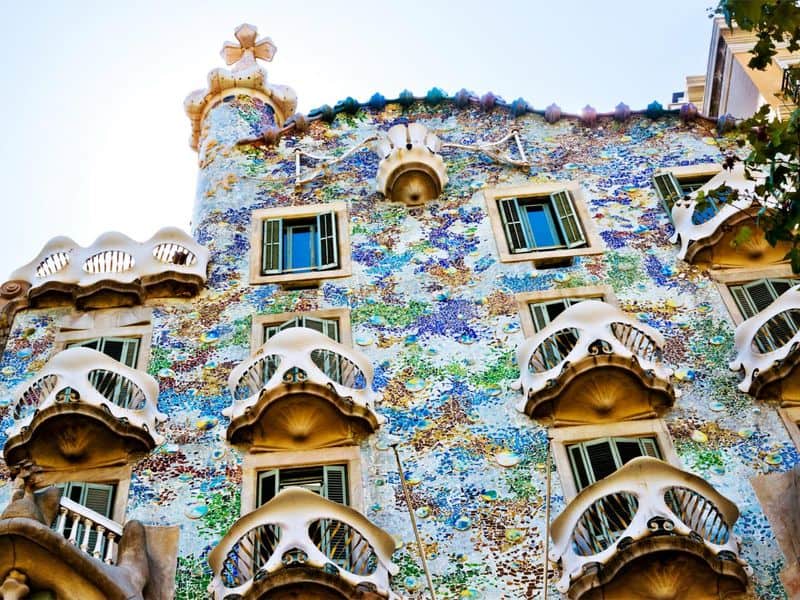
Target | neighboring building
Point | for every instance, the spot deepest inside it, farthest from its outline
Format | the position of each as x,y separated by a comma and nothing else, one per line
457,276
730,87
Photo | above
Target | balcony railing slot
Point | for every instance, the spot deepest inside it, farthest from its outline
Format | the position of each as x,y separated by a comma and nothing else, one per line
174,254
109,261
52,264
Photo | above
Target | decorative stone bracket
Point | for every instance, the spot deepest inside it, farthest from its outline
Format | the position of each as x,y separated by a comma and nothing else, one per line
300,531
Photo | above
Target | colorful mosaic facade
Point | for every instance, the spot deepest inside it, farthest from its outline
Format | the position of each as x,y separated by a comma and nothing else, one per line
434,310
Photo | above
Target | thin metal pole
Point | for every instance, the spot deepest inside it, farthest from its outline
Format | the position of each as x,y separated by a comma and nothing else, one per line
547,520
414,522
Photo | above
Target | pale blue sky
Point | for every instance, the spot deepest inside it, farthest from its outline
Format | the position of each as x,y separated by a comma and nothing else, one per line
94,137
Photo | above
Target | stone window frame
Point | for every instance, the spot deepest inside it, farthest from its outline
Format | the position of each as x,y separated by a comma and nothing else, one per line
790,416
342,314
594,244
524,299
119,476
106,323
722,278
561,437
254,463
298,212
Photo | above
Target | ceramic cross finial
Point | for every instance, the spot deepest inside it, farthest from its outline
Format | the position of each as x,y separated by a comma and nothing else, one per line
245,53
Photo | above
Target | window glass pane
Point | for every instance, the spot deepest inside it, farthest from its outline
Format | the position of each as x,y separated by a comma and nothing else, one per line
540,219
299,241
556,308
628,450
266,486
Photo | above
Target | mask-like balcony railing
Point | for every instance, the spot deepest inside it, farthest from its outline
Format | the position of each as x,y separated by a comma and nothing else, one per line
647,500
58,413
115,270
301,537
329,383
697,230
767,343
591,335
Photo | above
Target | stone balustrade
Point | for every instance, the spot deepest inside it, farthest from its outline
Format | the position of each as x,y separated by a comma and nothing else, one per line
298,528
767,342
88,530
646,498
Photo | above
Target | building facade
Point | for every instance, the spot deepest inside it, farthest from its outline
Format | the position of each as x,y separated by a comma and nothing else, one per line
567,351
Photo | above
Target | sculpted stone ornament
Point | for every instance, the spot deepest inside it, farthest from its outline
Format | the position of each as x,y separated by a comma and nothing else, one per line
247,77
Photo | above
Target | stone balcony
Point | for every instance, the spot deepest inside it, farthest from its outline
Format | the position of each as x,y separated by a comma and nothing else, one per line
593,364
83,409
767,350
300,543
714,240
115,270
301,390
649,530
53,546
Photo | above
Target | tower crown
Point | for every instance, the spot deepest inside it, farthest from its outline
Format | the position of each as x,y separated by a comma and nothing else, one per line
246,77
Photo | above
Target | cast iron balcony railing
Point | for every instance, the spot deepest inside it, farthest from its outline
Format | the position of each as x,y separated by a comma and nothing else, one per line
299,529
577,340
645,499
169,263
767,343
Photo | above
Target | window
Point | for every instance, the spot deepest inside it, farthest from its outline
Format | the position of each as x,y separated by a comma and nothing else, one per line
541,223
124,350
751,298
300,243
328,327
674,184
594,460
538,309
545,223
329,481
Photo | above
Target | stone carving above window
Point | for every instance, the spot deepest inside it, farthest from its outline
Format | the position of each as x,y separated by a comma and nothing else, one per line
645,508
115,270
301,542
411,169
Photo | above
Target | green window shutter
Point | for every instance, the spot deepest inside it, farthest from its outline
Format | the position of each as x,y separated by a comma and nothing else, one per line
628,449
649,447
601,458
327,245
335,488
98,497
761,294
267,486
742,299
512,223
579,471
124,350
669,190
331,329
539,314
272,246
562,202
782,285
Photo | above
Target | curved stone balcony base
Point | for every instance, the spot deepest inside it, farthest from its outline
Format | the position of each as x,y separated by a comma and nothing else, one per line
73,435
600,388
720,250
49,562
663,566
299,416
310,584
